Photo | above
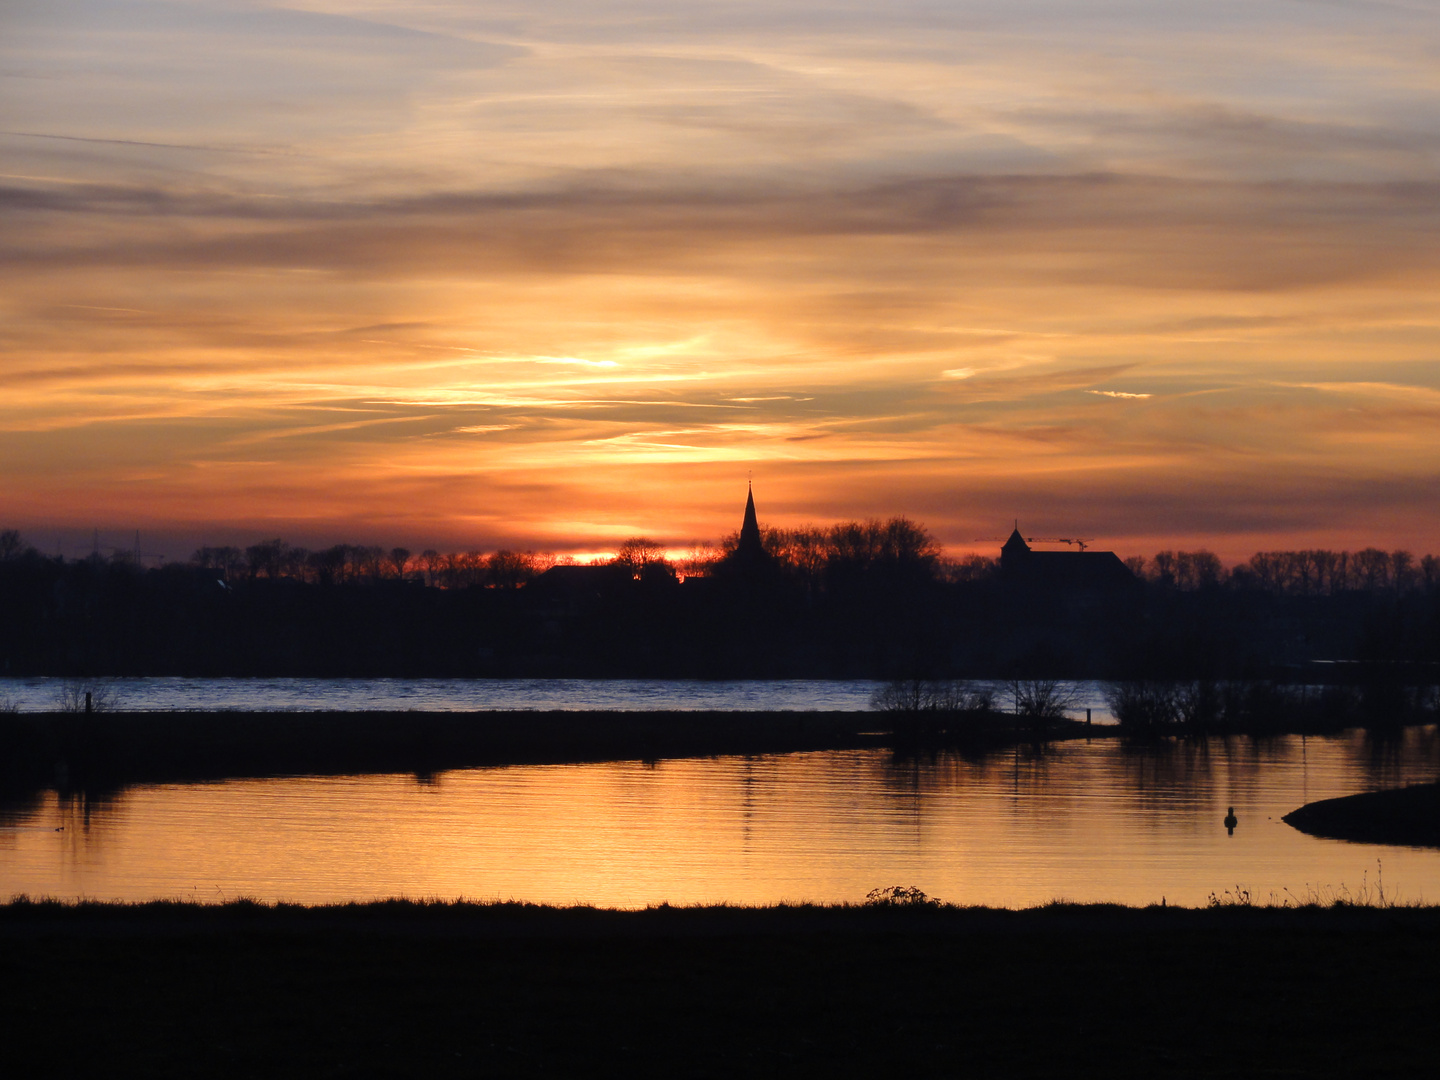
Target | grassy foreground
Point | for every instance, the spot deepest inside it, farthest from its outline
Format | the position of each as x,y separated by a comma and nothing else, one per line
397,989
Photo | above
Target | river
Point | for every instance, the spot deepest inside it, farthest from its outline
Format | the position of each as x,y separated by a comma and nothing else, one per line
1092,821
460,695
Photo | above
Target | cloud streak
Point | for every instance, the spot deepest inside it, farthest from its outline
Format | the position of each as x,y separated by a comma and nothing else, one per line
478,273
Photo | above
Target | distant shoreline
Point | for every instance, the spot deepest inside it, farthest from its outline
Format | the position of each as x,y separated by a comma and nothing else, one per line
115,749
156,747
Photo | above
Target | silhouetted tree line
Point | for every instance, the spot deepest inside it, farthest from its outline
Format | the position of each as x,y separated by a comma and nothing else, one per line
857,599
353,563
1378,698
893,553
1313,572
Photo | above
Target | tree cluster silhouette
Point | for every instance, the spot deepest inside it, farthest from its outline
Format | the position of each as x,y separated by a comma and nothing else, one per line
875,598
1313,572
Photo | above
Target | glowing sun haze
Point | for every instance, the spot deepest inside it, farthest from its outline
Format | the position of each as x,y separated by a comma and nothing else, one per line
552,274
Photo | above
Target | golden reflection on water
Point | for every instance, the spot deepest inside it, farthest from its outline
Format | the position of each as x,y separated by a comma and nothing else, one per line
1081,821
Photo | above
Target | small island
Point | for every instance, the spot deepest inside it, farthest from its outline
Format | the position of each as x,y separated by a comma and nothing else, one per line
1409,815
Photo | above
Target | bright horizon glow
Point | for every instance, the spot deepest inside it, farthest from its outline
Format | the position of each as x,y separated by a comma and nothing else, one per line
462,274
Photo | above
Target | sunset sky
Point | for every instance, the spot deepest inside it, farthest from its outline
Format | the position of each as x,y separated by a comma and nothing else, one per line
473,273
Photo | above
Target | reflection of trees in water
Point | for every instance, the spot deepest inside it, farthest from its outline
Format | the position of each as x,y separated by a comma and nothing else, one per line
1167,765
905,782
1247,756
1155,776
1190,767
75,823
1205,770
914,772
1397,757
70,808
18,807
1159,774
87,812
747,799
1029,767
88,819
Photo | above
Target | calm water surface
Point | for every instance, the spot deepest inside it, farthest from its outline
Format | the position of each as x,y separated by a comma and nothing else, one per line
1085,821
460,695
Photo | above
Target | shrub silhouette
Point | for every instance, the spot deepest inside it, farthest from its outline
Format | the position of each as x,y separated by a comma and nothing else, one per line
899,896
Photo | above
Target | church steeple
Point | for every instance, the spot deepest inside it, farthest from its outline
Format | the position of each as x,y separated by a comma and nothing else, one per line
750,529
1015,549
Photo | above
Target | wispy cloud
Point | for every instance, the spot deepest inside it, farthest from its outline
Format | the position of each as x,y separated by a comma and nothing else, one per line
529,272
574,361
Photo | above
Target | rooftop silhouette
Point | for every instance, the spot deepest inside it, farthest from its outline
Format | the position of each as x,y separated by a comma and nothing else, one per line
1020,564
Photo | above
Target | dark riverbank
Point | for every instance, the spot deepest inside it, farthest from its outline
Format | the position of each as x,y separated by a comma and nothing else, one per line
394,990
1409,815
112,749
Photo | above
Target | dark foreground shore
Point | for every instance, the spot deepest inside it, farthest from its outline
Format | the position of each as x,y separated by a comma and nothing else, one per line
139,747
400,990
1409,815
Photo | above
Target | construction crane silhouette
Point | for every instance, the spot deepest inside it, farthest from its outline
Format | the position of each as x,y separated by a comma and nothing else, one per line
135,551
1081,543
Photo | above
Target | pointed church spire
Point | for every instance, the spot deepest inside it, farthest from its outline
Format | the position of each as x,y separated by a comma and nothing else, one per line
750,529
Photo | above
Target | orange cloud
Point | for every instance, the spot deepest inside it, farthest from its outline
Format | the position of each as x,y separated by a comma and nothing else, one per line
465,276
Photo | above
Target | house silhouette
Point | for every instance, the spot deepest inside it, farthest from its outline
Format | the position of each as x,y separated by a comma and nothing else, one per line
1062,571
